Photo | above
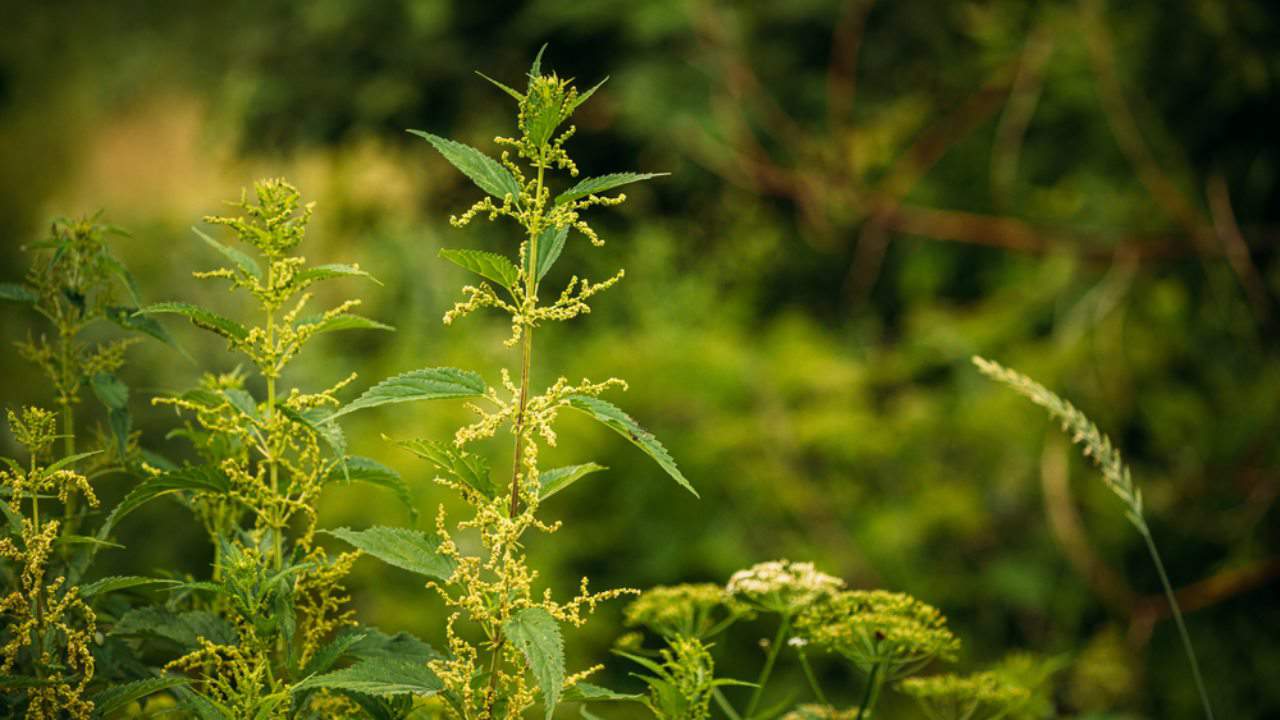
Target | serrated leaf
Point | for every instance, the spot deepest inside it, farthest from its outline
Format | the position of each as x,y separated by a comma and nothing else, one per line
554,480
586,692
412,550
117,697
488,265
247,264
118,269
331,652
185,628
344,321
537,636
613,417
550,245
594,185
368,470
471,469
198,478
488,174
326,272
201,318
14,292
120,582
383,677
502,87
129,319
424,384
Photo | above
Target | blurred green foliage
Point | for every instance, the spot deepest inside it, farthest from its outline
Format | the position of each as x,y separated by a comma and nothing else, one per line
862,196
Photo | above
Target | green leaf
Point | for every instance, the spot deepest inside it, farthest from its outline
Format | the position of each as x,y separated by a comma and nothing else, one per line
612,416
489,265
502,87
14,292
201,318
469,468
120,582
115,396
332,651
363,469
243,401
328,431
382,678
550,245
424,384
401,646
411,550
117,697
198,478
488,174
535,70
67,461
592,186
535,634
113,393
345,321
583,97
586,692
118,269
247,265
325,272
554,480
14,682
185,629
129,319
86,540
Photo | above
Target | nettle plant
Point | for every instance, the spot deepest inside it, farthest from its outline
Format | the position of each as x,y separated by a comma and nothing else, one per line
504,640
268,632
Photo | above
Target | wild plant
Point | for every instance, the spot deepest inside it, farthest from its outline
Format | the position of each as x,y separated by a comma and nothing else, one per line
49,649
274,606
504,636
886,637
1098,448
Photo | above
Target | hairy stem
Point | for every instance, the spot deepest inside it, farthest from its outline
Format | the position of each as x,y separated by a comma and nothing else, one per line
774,648
868,704
277,550
1177,619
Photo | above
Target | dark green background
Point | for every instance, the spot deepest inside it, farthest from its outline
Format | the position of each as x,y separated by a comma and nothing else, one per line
862,196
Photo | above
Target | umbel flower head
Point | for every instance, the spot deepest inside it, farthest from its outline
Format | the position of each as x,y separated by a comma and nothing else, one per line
980,696
688,610
781,586
879,629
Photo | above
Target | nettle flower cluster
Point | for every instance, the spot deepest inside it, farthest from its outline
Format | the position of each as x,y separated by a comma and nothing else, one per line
884,636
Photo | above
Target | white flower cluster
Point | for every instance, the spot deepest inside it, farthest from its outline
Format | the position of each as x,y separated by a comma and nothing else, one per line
781,586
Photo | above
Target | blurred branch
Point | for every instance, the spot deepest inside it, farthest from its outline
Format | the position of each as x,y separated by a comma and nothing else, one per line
1212,590
1016,118
1235,248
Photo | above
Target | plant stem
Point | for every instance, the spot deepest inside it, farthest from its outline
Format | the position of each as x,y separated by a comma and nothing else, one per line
1177,619
769,661
530,290
277,550
868,704
813,680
